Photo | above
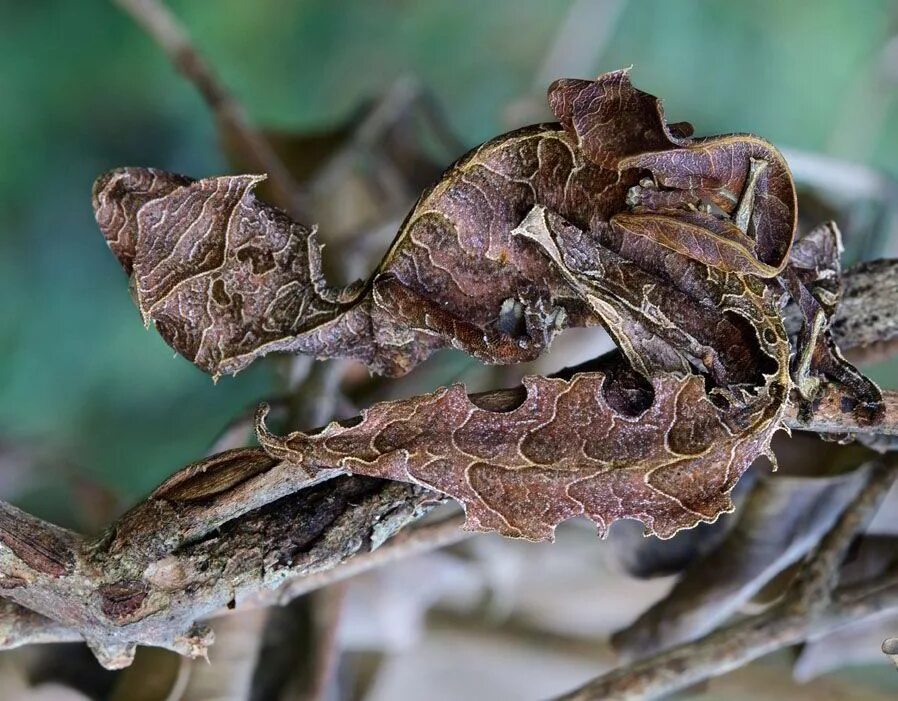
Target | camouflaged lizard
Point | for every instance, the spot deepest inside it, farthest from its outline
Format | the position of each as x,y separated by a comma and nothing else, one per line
683,248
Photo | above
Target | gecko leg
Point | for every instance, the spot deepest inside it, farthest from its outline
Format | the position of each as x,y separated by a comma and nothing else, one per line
742,217
649,196
689,221
813,280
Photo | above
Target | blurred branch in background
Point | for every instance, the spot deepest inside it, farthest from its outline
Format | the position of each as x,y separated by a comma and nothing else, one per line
783,519
862,199
160,24
810,601
863,113
581,37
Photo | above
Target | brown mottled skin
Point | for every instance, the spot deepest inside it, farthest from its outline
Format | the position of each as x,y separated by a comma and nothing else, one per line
678,246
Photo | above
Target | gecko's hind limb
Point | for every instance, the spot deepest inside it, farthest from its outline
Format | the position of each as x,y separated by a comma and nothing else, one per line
813,280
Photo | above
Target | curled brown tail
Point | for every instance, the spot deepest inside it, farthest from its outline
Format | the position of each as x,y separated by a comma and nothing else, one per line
225,277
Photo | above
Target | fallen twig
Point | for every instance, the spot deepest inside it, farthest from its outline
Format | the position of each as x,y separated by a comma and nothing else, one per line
808,606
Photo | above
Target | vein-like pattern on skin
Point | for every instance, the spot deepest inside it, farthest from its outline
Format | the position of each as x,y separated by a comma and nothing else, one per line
679,246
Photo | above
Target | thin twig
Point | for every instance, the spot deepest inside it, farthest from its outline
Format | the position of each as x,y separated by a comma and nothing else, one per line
806,607
172,37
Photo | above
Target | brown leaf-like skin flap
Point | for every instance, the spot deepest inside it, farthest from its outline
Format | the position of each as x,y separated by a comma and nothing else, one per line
610,119
227,278
455,252
564,452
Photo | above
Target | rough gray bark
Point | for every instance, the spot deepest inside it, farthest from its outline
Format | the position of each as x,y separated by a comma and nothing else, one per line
118,594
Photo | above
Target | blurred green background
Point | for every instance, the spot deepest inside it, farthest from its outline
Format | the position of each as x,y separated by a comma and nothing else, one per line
83,90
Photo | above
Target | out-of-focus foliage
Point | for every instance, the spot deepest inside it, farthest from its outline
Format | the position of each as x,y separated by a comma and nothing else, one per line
83,90
92,420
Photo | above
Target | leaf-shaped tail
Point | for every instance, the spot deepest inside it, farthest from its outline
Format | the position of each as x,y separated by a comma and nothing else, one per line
225,277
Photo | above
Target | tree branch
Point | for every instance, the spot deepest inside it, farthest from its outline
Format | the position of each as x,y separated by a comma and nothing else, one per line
237,524
808,607
116,599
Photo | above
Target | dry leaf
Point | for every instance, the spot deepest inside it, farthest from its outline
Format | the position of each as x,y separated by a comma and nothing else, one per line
570,449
